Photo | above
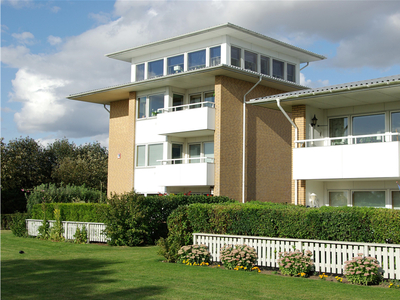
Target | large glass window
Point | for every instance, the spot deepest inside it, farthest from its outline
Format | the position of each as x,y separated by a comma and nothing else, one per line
250,61
194,152
140,72
175,64
370,124
396,199
197,60
209,97
195,99
395,124
265,65
291,73
338,127
338,198
142,107
155,154
235,56
177,151
215,56
177,100
155,102
155,68
140,156
369,198
278,69
209,151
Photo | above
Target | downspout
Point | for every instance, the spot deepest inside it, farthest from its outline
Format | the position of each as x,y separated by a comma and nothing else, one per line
278,102
244,141
106,108
305,66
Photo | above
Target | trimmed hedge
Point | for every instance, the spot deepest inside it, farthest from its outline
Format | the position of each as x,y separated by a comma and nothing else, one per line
352,224
7,220
79,212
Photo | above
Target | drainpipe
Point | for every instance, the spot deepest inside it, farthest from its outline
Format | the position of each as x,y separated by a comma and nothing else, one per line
244,140
106,108
278,102
305,66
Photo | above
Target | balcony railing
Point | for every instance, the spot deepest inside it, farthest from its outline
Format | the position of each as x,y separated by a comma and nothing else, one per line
188,160
186,106
350,140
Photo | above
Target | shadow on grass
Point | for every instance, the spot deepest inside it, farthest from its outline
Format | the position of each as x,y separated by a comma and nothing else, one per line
67,279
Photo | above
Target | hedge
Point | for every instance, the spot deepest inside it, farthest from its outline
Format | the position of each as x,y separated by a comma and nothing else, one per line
79,212
352,224
7,220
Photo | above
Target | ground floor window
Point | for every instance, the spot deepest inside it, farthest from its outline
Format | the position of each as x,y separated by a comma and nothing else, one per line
369,198
396,199
338,198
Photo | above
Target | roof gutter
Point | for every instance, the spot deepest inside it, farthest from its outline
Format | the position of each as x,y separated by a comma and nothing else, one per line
244,142
278,102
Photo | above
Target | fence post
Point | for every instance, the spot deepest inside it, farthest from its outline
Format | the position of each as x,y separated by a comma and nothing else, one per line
88,233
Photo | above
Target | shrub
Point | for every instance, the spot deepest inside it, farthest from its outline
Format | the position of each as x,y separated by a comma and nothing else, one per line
363,270
238,257
295,263
56,232
18,224
80,235
194,255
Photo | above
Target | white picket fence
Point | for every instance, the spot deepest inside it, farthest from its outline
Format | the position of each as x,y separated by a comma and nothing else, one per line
94,230
328,256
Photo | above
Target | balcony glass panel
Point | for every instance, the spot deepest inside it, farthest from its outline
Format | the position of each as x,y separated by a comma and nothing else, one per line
195,99
209,97
140,72
278,69
250,61
177,100
291,73
265,65
235,56
175,64
155,68
155,154
370,124
338,198
338,127
395,124
215,56
197,60
155,102
369,198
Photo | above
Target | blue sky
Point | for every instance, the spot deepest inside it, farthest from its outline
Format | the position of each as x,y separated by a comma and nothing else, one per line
51,49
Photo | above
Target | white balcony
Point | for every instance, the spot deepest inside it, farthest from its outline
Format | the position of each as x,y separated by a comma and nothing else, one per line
190,120
362,157
186,172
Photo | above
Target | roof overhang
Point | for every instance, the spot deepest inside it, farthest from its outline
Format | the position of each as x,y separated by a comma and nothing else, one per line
381,90
214,32
184,80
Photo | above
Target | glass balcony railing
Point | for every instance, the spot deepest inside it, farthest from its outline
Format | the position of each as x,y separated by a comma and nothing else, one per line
185,106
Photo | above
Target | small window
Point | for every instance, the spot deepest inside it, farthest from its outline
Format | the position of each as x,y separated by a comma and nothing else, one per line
194,153
156,68
215,56
177,153
277,68
235,56
140,156
155,154
175,64
209,151
197,60
291,73
250,61
265,65
338,198
140,72
142,108
155,102
369,198
209,97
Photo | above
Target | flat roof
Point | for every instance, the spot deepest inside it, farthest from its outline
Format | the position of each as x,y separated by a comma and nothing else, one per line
216,31
379,90
184,80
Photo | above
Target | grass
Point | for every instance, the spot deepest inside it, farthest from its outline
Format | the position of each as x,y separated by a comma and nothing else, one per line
49,270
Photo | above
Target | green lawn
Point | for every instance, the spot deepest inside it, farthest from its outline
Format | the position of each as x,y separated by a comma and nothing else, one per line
50,270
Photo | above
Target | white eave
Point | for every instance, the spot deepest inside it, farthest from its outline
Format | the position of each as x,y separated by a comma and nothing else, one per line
216,31
183,80
379,90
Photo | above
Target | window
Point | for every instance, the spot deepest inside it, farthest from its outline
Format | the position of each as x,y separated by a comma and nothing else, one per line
291,73
155,154
265,65
209,151
396,199
209,97
366,125
369,198
194,152
177,152
142,108
140,156
197,60
215,56
195,99
250,61
338,127
155,102
278,69
155,68
175,64
235,56
338,198
140,72
395,124
177,100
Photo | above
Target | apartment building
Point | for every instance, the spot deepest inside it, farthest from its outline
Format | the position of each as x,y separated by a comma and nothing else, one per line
346,148
181,124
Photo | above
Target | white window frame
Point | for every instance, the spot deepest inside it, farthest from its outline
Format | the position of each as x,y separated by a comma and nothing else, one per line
146,155
348,193
367,190
147,111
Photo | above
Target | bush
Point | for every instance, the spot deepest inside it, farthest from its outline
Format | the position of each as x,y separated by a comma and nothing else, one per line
295,263
18,224
363,270
238,257
194,255
80,235
56,232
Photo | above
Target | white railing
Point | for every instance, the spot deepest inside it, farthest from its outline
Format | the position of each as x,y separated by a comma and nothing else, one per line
328,256
350,140
186,106
95,231
188,160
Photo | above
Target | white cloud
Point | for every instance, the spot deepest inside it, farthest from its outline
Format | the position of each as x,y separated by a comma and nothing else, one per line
4,28
54,40
55,9
6,110
100,18
19,3
313,84
26,38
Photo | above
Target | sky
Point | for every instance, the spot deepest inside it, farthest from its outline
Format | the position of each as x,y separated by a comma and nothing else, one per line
52,49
